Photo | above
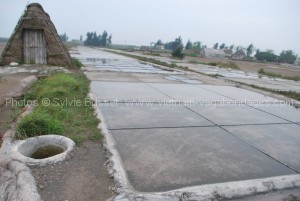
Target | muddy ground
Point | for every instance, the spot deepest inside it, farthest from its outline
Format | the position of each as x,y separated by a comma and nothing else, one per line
83,177
7,112
254,67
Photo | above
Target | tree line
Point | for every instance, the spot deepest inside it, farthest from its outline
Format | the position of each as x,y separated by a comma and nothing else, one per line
92,39
177,47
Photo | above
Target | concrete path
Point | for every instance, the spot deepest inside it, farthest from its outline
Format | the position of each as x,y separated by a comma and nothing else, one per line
172,132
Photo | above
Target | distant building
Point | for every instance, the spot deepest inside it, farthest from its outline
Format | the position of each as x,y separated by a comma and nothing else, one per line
145,48
228,53
297,62
159,47
239,55
212,53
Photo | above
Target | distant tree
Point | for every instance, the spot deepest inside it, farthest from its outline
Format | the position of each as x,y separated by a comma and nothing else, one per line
159,42
231,47
266,56
222,46
81,37
216,46
237,48
204,46
109,40
64,37
104,39
197,45
169,45
250,50
189,45
178,48
92,39
287,56
226,48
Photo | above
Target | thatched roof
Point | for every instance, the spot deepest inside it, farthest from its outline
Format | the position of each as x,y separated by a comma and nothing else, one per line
35,18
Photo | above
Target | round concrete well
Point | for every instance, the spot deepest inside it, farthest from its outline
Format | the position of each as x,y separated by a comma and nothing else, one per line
42,150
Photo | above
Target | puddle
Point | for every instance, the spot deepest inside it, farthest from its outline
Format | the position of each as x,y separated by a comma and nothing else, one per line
101,60
47,151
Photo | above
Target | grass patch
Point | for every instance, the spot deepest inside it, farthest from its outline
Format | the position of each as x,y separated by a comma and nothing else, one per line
76,63
152,54
216,75
68,111
275,75
229,64
191,55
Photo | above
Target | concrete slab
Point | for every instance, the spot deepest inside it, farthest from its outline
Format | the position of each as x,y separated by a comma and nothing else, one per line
279,141
237,93
289,113
235,115
148,115
165,159
152,78
124,91
186,92
111,76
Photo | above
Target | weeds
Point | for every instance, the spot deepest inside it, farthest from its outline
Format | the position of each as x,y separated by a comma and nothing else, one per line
191,55
76,63
67,108
152,54
229,64
275,75
36,124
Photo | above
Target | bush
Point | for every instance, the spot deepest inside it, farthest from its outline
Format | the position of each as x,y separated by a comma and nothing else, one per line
230,64
36,124
76,63
178,52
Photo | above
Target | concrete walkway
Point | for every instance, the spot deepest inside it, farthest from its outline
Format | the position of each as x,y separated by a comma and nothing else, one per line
172,132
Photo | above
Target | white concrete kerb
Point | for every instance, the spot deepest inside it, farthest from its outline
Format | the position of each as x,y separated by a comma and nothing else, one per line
23,149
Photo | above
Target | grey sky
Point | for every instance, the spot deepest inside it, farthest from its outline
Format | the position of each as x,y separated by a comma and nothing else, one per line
269,24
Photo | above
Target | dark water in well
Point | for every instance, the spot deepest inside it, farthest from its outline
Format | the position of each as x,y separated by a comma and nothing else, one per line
46,152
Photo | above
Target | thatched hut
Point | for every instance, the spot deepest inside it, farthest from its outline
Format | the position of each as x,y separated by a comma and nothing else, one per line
35,41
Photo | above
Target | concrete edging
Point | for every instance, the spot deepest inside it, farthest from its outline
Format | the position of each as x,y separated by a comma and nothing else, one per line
21,150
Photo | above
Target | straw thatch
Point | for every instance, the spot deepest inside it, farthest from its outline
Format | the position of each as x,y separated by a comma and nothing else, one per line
35,36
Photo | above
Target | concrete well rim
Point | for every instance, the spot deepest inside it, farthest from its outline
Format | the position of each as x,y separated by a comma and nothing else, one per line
22,149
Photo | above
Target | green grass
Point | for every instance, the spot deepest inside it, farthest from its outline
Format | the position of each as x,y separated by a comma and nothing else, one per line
66,113
76,63
191,55
275,75
216,75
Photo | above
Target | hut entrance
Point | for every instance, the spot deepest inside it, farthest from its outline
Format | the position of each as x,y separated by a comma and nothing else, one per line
34,46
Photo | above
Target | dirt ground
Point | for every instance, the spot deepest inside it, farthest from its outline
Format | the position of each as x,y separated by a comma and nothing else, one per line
83,177
7,111
255,66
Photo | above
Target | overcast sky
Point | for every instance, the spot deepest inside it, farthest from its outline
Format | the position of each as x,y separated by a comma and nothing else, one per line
268,24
